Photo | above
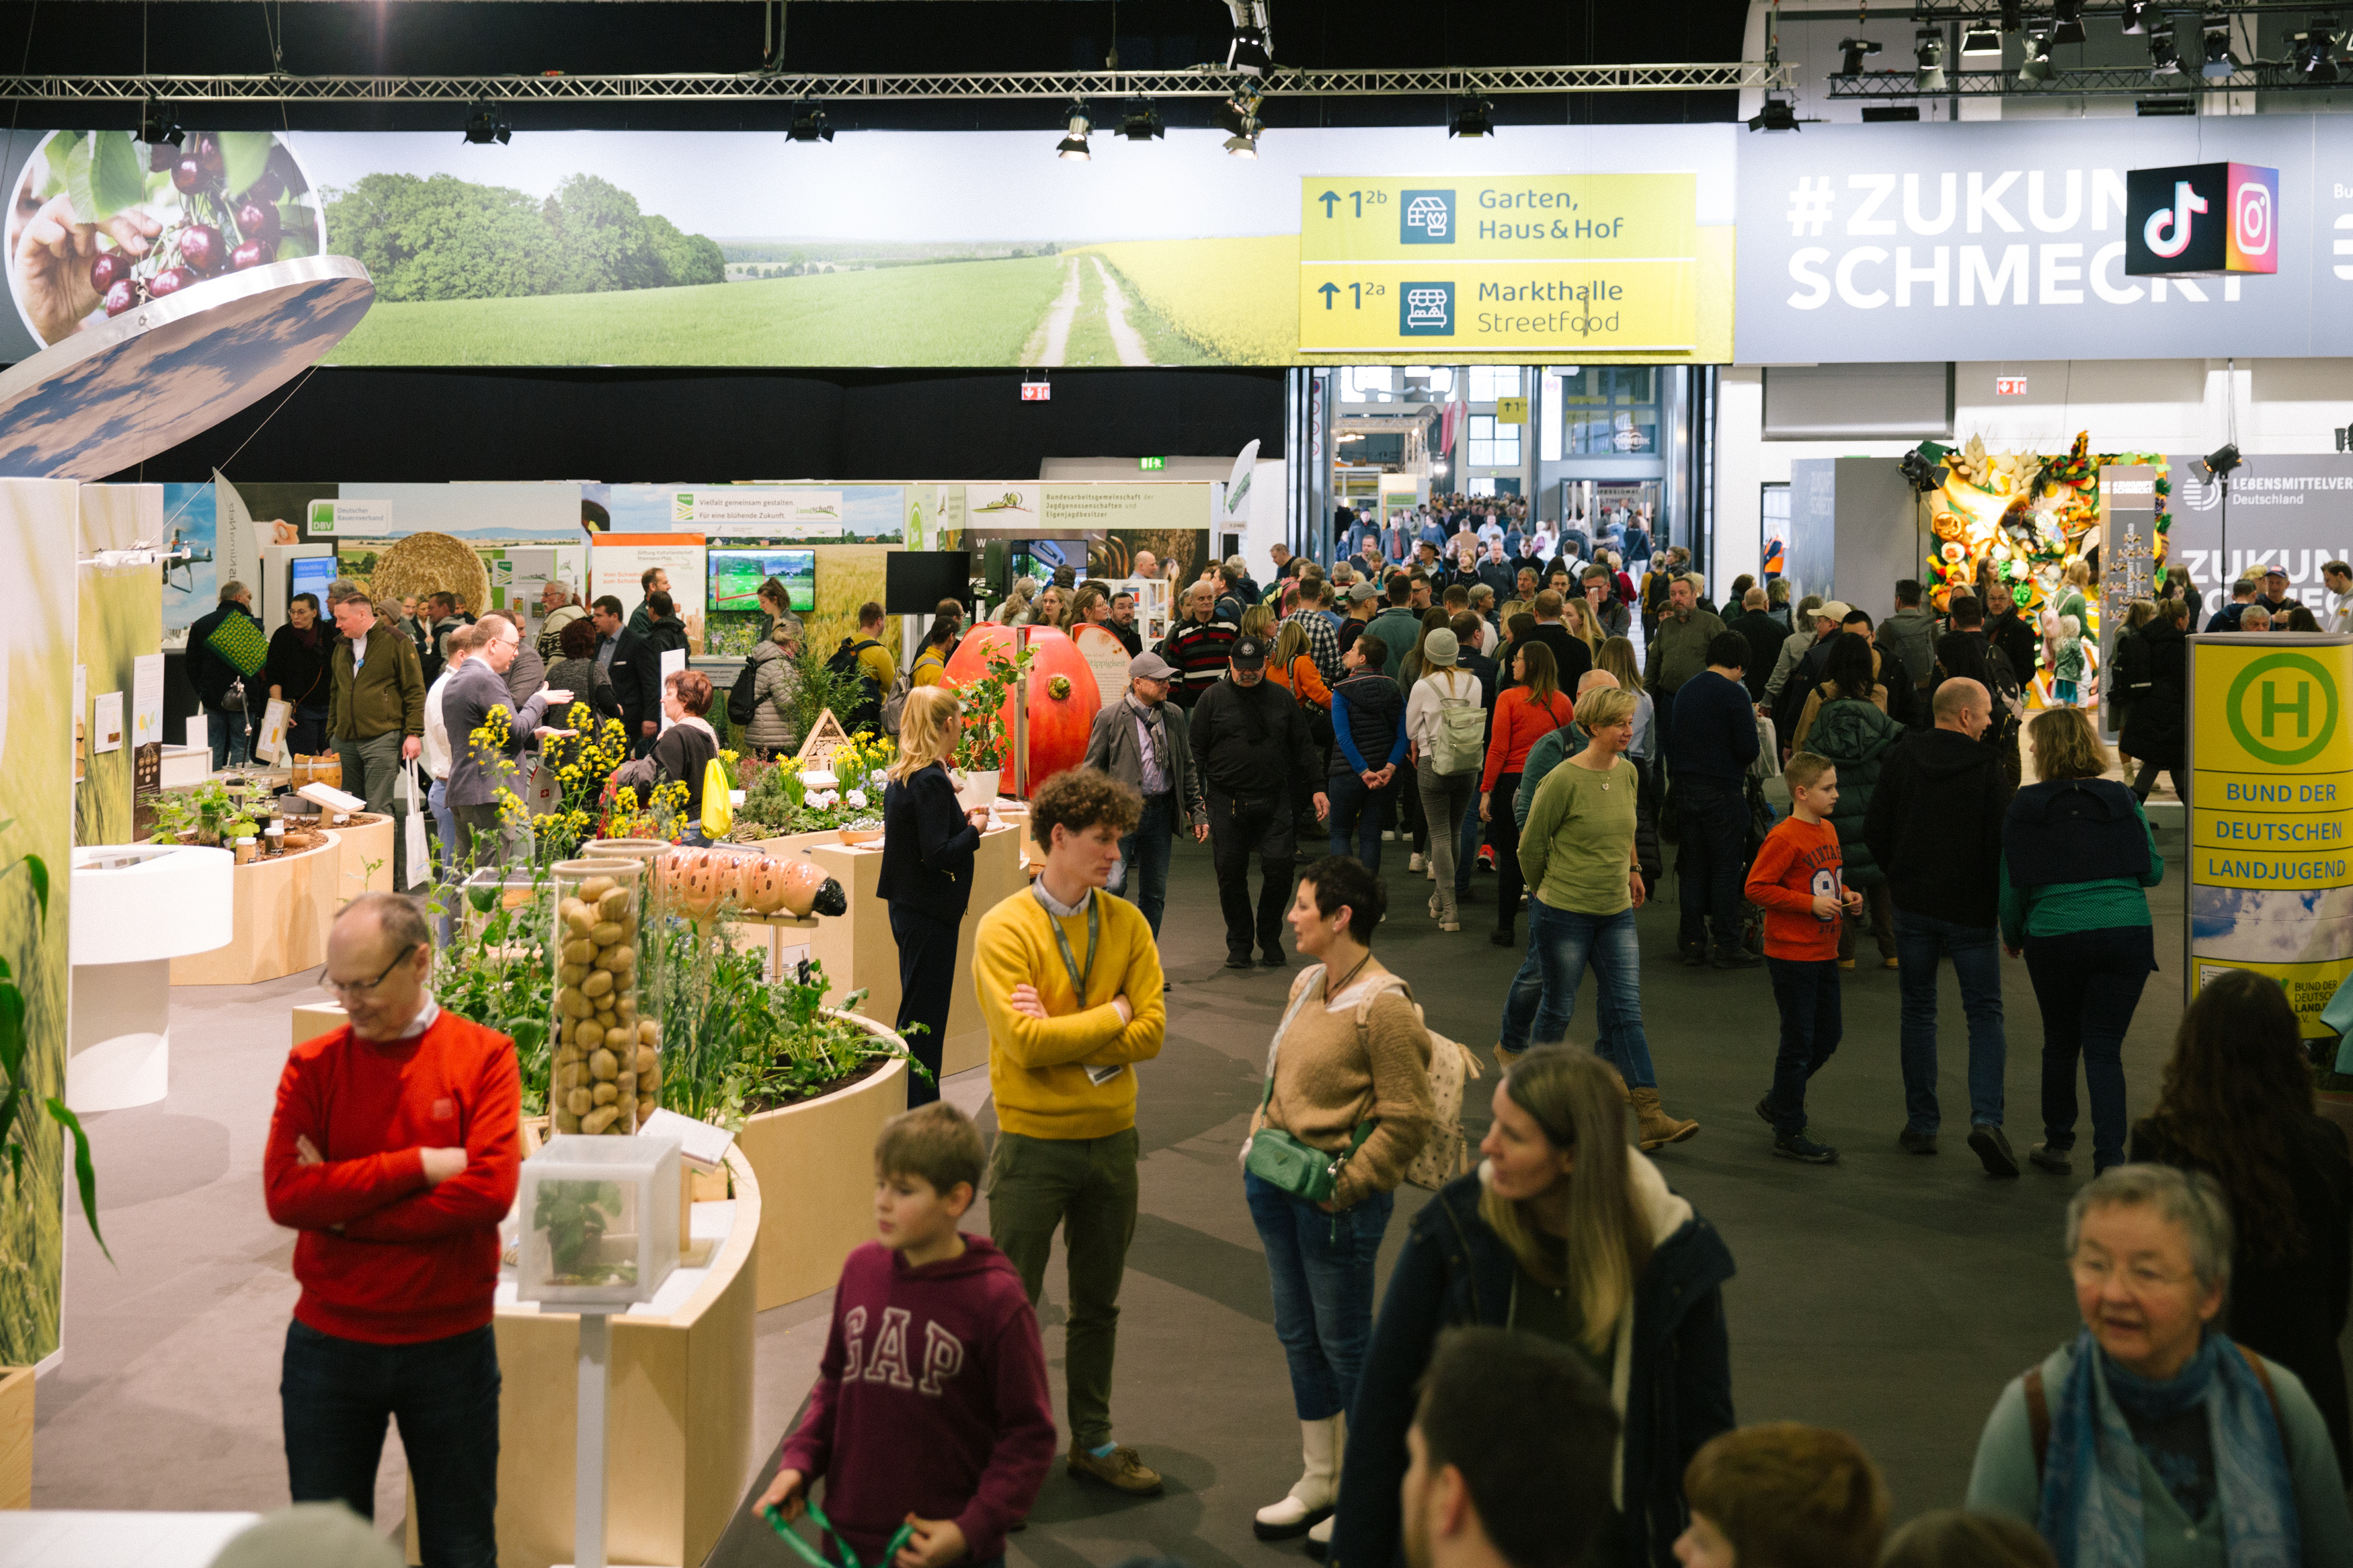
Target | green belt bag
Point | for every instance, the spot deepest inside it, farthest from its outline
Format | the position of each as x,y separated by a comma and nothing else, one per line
1283,1162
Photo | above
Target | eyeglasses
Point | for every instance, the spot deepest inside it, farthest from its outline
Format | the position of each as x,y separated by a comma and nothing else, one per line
361,987
2140,1278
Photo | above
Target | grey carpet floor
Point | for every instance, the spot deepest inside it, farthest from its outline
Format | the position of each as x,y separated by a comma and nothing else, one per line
1890,1295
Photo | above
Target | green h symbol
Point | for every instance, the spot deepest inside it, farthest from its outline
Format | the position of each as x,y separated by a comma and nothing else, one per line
2301,708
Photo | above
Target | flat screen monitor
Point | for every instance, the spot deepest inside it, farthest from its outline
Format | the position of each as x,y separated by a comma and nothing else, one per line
915,581
310,574
1038,557
736,576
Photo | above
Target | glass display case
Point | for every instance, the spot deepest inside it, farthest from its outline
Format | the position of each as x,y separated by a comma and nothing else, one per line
606,1071
599,1220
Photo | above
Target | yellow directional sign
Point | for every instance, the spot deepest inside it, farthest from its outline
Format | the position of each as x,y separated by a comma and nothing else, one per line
1498,217
1602,305
1511,411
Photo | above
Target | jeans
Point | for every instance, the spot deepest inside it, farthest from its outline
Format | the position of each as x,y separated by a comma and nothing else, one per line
336,1394
927,973
1807,994
1144,859
1361,812
1321,1267
372,769
306,732
2087,984
1561,943
1709,863
1239,827
1975,952
1444,799
1466,848
1879,911
227,733
1510,881
445,823
1087,1187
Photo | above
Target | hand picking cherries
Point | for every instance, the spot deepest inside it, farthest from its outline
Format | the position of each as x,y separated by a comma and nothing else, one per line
214,231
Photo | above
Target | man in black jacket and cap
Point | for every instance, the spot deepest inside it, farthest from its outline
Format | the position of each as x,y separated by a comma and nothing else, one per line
1260,768
214,677
1935,825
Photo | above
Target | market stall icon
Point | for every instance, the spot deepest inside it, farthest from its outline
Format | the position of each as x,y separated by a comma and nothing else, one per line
1426,310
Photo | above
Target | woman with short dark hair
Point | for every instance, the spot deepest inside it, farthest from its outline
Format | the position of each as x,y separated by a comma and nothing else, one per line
687,746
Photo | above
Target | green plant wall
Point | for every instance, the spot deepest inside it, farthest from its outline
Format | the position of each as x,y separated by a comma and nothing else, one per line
120,617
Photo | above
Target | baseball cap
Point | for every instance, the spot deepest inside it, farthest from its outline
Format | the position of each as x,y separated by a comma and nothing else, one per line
1835,610
2278,571
1248,653
1150,667
1364,590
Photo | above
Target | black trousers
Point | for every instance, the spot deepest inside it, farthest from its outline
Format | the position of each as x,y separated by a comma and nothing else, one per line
927,975
1239,827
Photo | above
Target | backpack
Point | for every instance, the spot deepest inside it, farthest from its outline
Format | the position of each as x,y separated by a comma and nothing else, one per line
894,707
1445,1153
867,711
742,702
1460,746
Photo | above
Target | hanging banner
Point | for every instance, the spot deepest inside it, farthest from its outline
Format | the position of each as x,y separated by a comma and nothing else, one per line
2293,512
2271,820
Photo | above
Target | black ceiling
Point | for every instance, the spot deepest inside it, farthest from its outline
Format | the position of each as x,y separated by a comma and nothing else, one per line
437,37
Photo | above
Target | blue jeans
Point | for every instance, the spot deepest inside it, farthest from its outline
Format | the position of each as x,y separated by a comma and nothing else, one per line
1359,812
1466,849
336,1394
1321,1266
227,732
1561,943
1144,859
1709,864
307,733
1807,994
1975,952
445,823
2087,984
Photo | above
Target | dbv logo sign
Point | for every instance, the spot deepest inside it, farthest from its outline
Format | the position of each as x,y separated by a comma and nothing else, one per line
2199,220
1427,217
1426,310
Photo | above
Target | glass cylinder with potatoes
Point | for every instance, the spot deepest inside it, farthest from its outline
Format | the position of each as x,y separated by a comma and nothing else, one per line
605,1075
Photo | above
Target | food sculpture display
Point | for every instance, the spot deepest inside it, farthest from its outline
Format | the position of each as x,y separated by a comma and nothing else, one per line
703,882
2020,517
607,1058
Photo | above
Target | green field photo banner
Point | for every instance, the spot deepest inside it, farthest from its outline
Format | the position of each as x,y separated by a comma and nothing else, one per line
942,248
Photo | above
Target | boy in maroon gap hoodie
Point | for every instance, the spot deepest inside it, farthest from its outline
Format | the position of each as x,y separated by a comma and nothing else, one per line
931,1406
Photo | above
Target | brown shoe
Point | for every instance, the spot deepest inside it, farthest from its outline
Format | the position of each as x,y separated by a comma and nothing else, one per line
1658,1127
1120,1469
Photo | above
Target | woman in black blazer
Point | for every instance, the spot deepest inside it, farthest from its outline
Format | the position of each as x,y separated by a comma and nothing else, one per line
2238,1104
928,842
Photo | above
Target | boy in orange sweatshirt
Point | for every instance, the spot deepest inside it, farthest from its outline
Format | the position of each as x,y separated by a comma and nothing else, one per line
1797,881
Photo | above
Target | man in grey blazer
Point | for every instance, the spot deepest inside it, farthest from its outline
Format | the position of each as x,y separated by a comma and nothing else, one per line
1138,741
477,689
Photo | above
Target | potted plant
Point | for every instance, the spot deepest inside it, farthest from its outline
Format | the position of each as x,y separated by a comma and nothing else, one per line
980,751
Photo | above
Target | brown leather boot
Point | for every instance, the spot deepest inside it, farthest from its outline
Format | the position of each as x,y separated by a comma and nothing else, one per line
1659,1129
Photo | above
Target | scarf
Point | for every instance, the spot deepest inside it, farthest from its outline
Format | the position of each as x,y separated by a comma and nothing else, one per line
2092,1472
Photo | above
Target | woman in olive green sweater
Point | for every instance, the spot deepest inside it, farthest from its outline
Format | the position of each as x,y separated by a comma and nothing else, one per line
2076,852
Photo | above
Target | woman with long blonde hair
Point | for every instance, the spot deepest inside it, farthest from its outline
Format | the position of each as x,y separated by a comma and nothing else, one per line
1566,1233
928,843
1578,616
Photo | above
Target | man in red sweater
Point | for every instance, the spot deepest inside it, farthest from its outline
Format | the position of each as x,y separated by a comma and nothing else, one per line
393,1152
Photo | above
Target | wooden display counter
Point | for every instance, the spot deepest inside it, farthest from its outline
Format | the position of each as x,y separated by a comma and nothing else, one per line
859,953
283,907
822,1153
366,840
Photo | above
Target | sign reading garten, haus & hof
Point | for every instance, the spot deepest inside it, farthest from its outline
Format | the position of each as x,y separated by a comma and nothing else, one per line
2271,821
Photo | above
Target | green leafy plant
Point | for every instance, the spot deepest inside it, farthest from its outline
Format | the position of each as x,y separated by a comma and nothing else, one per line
200,811
503,980
820,687
17,1106
574,1217
984,740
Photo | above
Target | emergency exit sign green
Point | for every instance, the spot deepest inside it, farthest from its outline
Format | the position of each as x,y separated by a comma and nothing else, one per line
1152,465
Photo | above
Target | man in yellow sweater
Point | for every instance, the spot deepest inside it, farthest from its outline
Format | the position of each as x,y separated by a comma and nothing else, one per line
1069,980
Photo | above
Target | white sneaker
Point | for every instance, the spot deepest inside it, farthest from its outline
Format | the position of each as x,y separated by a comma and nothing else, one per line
1413,863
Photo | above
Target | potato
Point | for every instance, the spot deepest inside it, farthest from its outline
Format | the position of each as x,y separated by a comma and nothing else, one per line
567,1052
596,888
586,1035
620,959
621,1040
647,1060
598,983
614,906
570,974
578,918
628,1009
574,1006
579,951
604,1094
604,1019
603,1064
578,1101
649,1032
605,933
645,1109
627,1085
599,1120
565,1122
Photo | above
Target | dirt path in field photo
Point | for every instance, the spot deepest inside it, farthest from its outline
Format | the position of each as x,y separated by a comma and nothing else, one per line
1050,344
1124,337
1090,320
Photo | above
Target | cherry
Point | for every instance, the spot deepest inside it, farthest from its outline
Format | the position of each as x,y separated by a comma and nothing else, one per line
252,253
268,188
105,269
258,219
120,296
171,280
208,154
201,247
188,176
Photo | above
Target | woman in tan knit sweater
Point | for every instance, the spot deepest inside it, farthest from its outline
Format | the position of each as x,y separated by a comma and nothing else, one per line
1351,1052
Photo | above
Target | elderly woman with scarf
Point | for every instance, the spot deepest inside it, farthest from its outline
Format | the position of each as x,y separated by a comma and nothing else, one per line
2154,1440
1567,1233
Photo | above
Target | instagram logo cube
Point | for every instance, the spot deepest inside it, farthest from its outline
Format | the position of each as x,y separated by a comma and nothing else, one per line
2201,220
2254,219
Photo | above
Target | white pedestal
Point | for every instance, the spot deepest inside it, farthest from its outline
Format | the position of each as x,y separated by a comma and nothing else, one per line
121,1043
135,906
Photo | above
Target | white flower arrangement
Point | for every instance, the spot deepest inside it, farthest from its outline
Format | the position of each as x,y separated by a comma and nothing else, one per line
856,799
822,799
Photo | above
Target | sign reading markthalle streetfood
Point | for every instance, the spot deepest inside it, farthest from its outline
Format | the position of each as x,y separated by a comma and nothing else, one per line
2201,220
2271,820
1566,261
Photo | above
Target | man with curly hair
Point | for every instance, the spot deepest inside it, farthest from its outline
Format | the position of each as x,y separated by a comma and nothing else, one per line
1069,979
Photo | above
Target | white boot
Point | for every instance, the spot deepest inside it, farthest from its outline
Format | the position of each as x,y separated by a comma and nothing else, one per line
1319,1539
1312,1496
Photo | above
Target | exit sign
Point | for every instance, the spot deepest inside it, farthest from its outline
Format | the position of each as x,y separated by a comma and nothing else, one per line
2010,386
1152,465
1037,392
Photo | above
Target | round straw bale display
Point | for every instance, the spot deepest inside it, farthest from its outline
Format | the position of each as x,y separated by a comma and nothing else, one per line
429,564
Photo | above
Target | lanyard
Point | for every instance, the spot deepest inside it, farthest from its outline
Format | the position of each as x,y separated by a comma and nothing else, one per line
1070,960
810,1554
